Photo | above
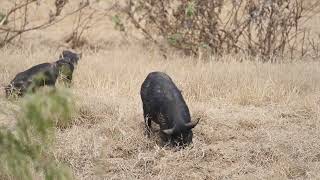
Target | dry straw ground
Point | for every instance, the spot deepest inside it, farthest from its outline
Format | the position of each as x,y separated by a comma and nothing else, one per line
259,121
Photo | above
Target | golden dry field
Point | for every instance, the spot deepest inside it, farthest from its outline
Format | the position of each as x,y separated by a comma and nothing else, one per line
258,120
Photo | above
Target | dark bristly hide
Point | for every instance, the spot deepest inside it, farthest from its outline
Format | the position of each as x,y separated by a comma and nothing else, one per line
33,78
44,74
163,104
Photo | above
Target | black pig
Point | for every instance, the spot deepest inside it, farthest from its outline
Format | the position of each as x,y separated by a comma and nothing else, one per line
163,104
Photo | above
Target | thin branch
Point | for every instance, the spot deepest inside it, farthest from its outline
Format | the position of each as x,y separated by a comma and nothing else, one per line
18,32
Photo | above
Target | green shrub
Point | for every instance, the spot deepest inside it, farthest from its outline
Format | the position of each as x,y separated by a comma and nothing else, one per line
25,152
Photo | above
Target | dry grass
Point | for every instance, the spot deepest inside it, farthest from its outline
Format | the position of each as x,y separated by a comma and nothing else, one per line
259,121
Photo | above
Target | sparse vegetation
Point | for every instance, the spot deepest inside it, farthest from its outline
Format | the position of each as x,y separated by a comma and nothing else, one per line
267,29
16,21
